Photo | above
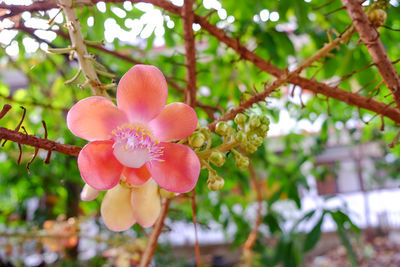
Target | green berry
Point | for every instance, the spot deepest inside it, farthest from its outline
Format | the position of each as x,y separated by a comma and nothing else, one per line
241,137
241,162
197,139
217,158
257,141
216,184
265,120
254,122
250,148
222,128
206,131
240,119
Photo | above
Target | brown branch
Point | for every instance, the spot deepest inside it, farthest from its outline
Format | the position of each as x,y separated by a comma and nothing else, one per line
190,55
155,233
248,103
253,235
370,36
37,142
78,43
310,84
196,242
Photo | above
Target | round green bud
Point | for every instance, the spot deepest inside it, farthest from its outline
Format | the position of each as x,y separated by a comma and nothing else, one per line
241,162
377,17
222,128
241,137
254,122
197,139
217,158
206,131
166,194
217,184
257,141
240,119
264,120
250,148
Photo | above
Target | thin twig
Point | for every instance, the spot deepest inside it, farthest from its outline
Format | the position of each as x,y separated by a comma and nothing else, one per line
196,242
253,235
155,233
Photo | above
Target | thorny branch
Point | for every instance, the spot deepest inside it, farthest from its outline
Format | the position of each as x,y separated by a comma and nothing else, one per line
370,36
34,141
190,53
85,64
309,84
253,235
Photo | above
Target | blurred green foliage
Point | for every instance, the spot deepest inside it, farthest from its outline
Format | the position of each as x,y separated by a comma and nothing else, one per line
229,80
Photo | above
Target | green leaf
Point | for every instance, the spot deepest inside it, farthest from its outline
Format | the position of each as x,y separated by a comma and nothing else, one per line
312,238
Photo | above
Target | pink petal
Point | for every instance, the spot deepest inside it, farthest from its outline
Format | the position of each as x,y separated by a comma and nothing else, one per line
142,93
98,166
136,177
179,170
176,121
146,203
89,193
116,209
94,118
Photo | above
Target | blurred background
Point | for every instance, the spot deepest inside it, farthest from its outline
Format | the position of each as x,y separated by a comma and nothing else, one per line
322,190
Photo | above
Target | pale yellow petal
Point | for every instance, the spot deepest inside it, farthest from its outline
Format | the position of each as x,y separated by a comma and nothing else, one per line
116,209
146,203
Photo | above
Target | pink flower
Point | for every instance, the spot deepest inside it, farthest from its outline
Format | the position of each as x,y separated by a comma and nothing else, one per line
131,142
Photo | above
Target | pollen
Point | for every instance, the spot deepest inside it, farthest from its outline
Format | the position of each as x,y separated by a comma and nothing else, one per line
134,145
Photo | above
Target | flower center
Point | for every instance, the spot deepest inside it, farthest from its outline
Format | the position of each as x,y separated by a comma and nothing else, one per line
134,145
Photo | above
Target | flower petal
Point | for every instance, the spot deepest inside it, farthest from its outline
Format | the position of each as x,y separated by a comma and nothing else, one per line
98,166
136,176
146,203
94,118
89,193
116,209
142,93
179,170
176,121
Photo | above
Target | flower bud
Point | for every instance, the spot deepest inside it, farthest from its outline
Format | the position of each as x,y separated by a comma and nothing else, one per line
197,139
241,137
222,128
89,193
216,184
241,162
240,119
166,194
250,148
254,122
217,158
377,17
256,141
265,120
206,131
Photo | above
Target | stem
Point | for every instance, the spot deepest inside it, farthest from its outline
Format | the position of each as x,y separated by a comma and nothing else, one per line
155,233
190,55
253,235
370,36
38,142
74,29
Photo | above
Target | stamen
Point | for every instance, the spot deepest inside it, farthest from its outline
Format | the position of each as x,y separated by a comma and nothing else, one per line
134,145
